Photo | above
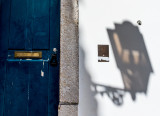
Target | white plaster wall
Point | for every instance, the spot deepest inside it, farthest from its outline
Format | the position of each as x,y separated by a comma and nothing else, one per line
95,17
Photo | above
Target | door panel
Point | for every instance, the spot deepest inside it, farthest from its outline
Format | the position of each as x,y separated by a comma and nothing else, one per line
4,27
29,26
26,89
41,24
38,89
2,80
18,24
16,89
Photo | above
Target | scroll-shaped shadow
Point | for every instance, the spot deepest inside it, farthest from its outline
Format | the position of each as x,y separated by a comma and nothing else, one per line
131,58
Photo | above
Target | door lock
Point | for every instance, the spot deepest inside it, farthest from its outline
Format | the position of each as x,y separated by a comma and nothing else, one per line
53,60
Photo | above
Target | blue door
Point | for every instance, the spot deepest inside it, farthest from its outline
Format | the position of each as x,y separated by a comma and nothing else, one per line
29,57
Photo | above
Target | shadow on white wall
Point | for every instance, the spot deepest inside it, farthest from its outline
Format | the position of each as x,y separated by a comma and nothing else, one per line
131,57
88,102
133,62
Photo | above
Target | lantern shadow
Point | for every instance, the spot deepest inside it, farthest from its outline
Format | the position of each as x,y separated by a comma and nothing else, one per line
131,58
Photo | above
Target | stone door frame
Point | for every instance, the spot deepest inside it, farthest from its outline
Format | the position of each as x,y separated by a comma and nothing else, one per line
69,59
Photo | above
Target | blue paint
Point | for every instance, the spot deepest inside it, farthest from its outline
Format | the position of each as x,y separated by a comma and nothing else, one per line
16,89
38,95
29,87
2,85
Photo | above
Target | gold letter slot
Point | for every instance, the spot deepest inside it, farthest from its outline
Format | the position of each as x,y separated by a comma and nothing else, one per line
27,54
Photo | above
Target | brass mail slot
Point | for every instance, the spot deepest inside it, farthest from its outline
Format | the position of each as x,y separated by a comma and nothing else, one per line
27,54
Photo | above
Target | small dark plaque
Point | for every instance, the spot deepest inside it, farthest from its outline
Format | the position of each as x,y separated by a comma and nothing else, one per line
103,53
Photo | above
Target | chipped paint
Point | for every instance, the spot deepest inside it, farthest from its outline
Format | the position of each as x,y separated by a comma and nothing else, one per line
42,73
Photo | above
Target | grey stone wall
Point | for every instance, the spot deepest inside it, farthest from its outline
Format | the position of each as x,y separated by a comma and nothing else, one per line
69,59
68,110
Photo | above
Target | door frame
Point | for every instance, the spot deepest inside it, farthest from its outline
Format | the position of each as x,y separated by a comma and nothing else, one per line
69,58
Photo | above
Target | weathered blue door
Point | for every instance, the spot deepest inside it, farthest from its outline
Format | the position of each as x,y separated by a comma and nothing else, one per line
29,31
